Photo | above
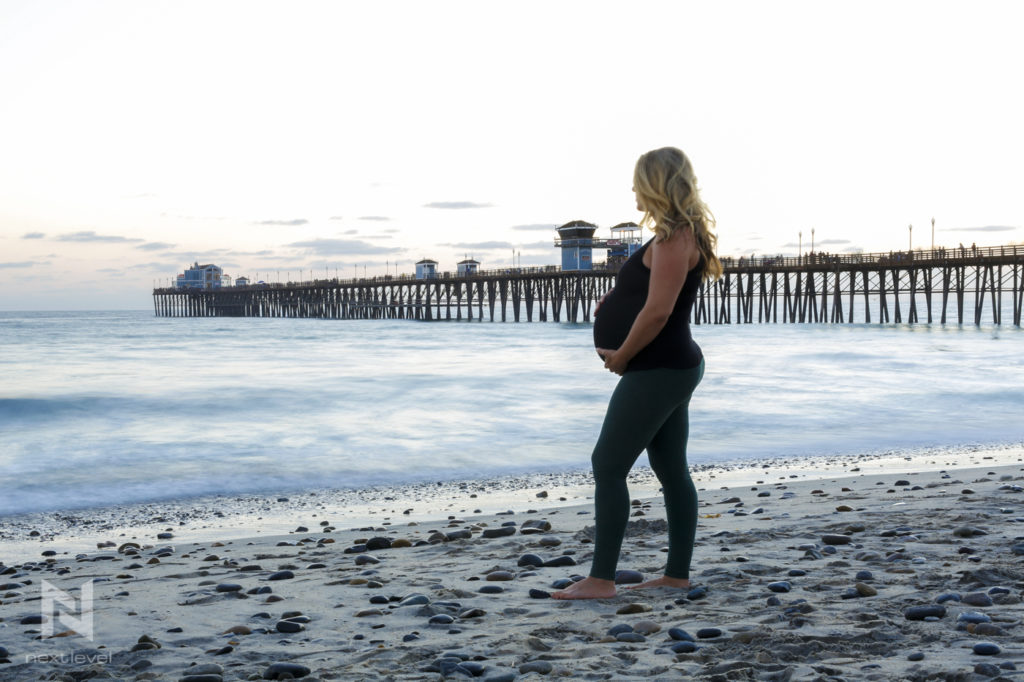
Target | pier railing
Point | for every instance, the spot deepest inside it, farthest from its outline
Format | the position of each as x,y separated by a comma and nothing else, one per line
962,284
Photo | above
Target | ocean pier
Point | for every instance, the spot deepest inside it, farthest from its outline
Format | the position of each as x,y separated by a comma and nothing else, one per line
964,285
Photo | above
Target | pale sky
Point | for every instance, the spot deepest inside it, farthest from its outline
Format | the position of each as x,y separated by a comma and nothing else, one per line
137,137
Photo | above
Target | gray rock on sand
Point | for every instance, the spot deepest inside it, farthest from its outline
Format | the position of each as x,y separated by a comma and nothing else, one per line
294,670
530,560
499,532
834,539
540,667
628,577
977,599
986,649
922,612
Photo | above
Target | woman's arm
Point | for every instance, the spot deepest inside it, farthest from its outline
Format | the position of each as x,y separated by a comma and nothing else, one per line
671,261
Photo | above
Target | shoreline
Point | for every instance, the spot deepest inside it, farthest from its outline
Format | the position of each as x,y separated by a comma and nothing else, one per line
232,516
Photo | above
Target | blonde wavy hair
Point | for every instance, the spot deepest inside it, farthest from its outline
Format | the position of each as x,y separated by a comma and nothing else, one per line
667,187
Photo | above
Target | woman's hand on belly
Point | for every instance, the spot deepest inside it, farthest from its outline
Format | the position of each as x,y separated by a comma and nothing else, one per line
614,361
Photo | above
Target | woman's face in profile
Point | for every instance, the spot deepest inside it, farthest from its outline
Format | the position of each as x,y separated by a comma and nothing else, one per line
639,203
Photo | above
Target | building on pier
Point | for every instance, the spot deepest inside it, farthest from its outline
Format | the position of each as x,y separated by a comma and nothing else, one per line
198,276
426,269
468,267
624,242
576,240
242,281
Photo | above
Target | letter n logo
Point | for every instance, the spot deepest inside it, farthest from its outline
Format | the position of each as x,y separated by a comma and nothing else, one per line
53,595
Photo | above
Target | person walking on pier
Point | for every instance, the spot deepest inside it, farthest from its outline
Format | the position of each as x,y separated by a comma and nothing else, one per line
642,332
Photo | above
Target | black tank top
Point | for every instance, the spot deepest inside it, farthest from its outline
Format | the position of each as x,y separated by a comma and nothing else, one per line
673,347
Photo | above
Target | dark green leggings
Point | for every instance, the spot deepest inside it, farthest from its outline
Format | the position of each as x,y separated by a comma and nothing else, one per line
648,409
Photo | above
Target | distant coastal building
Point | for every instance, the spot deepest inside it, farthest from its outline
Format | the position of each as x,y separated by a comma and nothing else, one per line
576,239
426,269
198,276
242,281
468,267
624,242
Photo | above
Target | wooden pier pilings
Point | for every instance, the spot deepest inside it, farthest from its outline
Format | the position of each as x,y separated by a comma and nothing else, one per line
963,285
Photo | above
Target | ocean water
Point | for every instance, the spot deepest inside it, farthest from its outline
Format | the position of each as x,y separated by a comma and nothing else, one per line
107,408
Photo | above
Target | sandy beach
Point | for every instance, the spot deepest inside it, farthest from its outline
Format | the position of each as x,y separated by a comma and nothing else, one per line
873,568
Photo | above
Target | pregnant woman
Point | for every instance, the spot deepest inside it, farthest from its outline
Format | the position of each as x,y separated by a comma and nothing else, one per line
642,332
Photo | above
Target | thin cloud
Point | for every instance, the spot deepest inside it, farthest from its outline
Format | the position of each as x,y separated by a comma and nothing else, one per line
21,264
351,231
377,218
155,246
33,235
192,217
456,204
535,226
832,241
480,245
91,236
985,228
294,222
335,247
336,217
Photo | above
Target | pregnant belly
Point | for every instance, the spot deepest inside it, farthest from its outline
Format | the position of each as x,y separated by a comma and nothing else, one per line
614,320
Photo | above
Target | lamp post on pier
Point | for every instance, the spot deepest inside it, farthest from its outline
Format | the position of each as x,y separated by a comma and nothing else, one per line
800,248
910,233
812,240
933,234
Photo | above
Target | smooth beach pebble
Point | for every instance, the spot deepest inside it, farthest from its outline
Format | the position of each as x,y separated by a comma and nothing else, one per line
948,596
414,600
540,667
708,633
973,617
560,561
228,587
378,543
491,589
697,593
281,575
635,607
836,539
365,559
922,612
500,532
977,599
646,627
616,630
986,649
539,594
916,656
631,637
291,626
530,560
780,586
293,670
680,635
627,577
500,576
865,590
685,647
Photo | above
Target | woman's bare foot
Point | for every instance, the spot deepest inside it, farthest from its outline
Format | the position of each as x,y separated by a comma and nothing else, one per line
663,581
588,588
